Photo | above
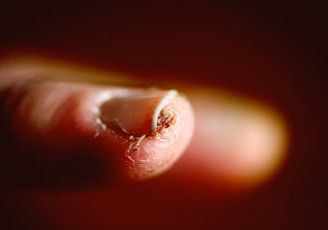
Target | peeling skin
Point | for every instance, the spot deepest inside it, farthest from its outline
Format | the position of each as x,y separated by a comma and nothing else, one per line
155,151
159,112
165,119
162,117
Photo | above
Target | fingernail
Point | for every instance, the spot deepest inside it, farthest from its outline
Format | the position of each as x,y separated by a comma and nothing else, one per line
137,112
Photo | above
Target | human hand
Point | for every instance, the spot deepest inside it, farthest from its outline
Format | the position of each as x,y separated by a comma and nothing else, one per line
69,142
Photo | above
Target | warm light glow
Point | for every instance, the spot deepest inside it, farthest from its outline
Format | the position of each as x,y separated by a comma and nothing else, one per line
240,142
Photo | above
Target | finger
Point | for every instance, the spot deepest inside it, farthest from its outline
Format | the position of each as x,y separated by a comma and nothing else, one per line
67,133
237,143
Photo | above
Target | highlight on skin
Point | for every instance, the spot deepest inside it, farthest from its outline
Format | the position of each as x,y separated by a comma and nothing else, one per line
246,140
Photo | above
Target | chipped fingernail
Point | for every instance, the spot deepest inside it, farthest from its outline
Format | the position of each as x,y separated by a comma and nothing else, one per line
137,113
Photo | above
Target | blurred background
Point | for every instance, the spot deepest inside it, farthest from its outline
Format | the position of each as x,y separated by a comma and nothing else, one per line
274,52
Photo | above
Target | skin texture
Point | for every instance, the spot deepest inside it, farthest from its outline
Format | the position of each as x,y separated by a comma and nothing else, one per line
58,123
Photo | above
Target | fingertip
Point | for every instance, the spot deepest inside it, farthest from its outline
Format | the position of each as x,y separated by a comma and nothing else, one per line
68,134
147,150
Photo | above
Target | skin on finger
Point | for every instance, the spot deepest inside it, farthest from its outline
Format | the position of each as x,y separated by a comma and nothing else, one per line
221,152
60,134
238,143
215,156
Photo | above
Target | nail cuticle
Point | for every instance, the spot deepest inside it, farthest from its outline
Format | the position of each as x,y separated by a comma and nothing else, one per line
138,114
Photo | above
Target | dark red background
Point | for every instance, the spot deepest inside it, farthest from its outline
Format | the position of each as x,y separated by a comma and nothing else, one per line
272,51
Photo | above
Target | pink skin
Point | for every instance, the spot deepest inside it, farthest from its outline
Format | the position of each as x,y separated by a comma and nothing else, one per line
62,115
57,124
145,157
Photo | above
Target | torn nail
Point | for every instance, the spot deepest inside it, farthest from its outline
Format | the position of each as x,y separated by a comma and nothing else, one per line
137,113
